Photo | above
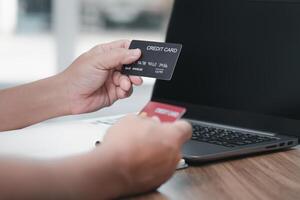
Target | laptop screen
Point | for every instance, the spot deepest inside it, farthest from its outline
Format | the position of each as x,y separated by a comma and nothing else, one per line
237,55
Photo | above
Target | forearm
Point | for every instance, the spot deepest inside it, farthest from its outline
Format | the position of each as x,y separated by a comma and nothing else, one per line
27,180
32,103
73,178
97,175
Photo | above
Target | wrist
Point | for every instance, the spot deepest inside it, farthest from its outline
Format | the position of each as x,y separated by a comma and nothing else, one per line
109,172
95,175
119,166
61,98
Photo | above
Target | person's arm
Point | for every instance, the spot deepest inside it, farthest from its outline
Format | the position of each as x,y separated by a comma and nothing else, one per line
93,81
65,179
34,102
137,155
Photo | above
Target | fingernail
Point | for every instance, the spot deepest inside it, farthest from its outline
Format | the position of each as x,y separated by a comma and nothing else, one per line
156,118
135,52
143,114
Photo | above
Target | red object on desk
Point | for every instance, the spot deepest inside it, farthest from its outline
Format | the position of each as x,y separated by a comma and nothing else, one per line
165,112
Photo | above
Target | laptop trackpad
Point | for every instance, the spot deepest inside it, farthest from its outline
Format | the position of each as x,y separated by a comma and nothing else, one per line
195,148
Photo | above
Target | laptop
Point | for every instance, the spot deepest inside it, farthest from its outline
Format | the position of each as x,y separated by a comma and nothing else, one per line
238,76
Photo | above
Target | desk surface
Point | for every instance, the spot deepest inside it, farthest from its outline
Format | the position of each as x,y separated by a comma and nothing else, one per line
269,176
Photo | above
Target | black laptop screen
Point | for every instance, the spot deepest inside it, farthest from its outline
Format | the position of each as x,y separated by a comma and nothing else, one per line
237,55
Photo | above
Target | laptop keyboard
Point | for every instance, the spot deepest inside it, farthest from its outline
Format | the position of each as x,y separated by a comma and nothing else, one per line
227,138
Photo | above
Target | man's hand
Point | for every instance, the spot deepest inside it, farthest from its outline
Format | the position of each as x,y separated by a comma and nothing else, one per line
148,151
94,80
139,154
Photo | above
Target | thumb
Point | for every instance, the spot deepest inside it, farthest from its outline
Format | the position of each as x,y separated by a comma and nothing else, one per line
183,131
114,58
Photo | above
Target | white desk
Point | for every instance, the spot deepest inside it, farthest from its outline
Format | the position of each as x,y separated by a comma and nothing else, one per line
51,140
68,135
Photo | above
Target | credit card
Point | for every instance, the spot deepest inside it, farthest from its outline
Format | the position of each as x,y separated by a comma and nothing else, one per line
158,59
165,112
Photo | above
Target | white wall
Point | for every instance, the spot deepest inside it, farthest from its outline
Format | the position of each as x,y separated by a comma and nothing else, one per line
8,16
66,22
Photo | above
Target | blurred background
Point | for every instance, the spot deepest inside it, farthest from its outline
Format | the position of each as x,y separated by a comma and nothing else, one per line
39,38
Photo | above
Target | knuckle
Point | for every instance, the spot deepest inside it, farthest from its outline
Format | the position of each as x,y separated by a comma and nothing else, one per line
148,126
98,48
119,55
129,117
85,55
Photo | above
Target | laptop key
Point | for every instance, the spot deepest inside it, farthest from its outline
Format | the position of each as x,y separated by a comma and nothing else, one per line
225,137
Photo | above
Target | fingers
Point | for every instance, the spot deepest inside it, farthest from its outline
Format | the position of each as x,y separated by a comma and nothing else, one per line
122,81
115,54
136,80
176,133
116,78
182,131
114,58
155,118
125,83
121,94
179,132
101,48
117,44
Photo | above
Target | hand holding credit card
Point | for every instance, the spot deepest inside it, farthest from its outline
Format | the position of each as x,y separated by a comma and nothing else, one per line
165,112
158,60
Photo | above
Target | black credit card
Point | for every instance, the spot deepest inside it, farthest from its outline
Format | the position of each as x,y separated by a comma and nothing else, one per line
158,59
